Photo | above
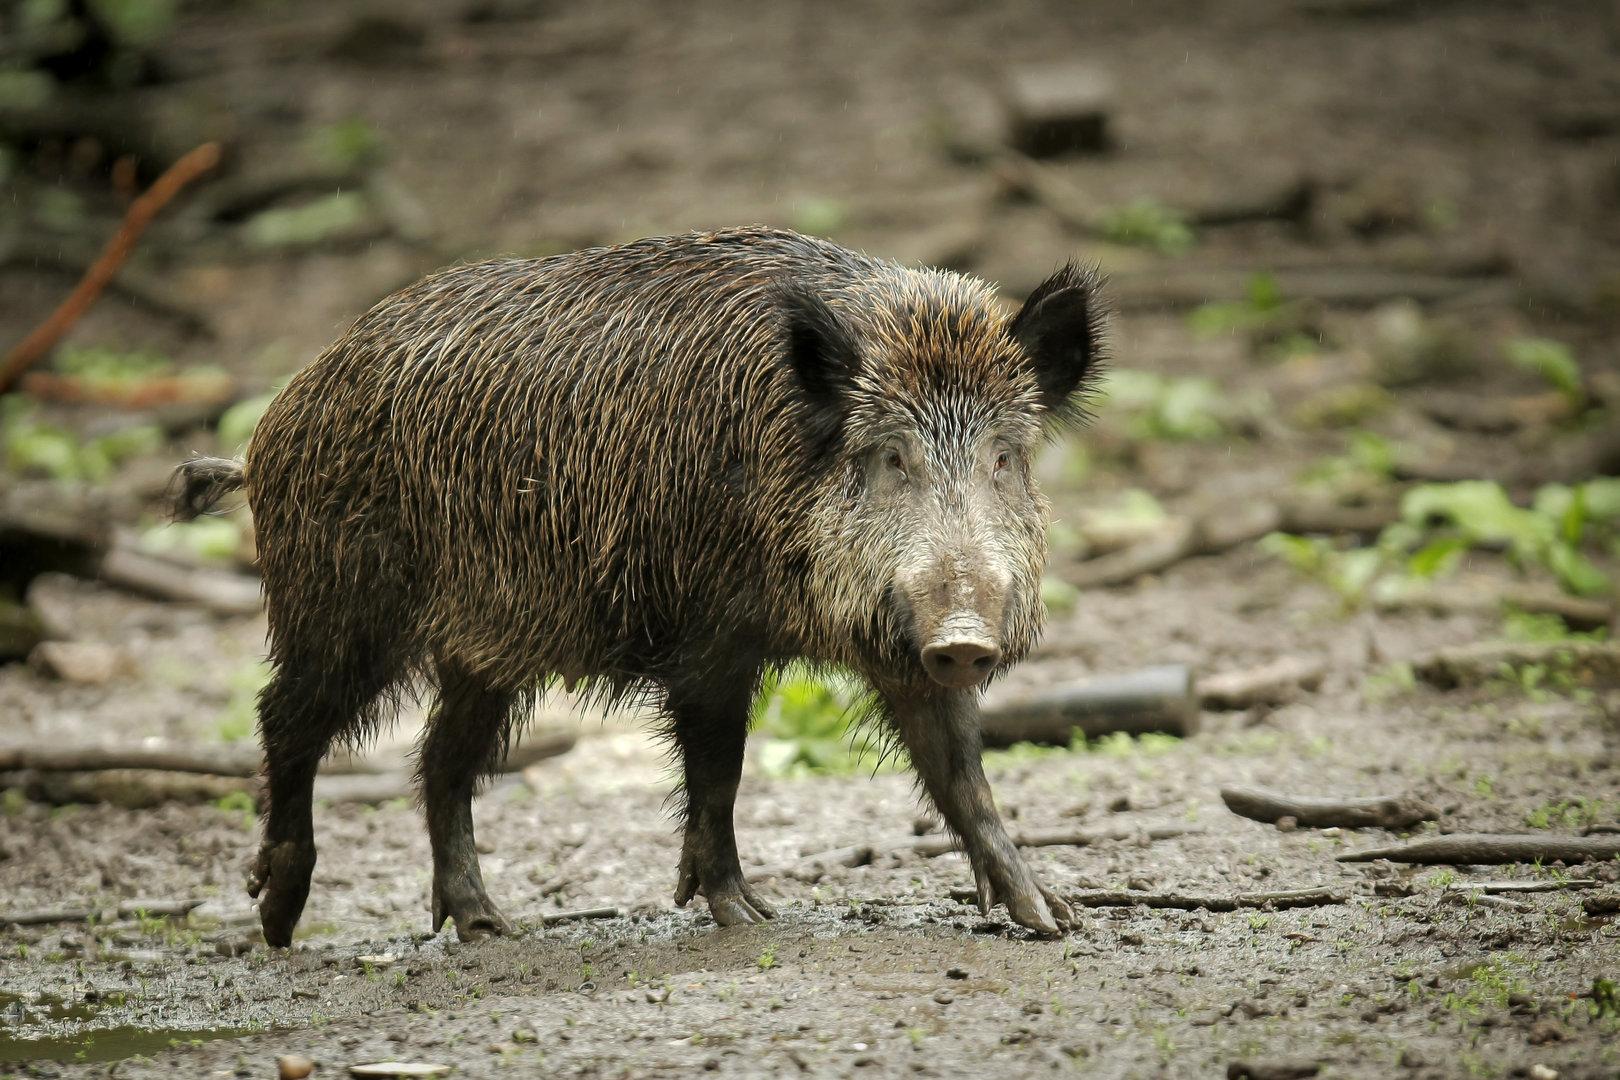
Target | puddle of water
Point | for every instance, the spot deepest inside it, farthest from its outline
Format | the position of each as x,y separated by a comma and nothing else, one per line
50,1015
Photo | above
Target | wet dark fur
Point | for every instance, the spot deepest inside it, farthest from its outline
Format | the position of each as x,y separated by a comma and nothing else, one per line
618,466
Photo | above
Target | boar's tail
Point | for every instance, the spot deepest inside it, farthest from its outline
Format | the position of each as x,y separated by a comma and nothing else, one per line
200,483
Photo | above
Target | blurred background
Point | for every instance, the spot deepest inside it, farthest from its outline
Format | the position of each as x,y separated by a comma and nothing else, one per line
1365,255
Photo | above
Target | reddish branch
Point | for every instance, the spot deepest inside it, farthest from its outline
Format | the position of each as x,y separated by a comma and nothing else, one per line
141,212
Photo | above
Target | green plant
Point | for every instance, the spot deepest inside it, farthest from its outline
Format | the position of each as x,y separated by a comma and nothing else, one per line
1150,224
31,446
342,213
812,722
236,424
1547,534
235,720
349,144
1161,407
1551,361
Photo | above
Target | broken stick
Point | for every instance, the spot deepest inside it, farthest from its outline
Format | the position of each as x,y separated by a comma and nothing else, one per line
1152,699
1472,665
1375,812
1098,898
141,212
1469,849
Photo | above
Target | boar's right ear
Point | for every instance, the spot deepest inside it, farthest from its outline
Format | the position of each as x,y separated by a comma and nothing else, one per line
824,359
1060,329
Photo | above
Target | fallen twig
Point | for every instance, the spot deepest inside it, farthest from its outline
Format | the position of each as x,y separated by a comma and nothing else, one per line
46,915
551,918
932,846
1376,812
1468,849
127,909
1472,665
223,592
141,212
1220,532
1544,885
215,761
1099,898
1272,684
1152,699
1485,596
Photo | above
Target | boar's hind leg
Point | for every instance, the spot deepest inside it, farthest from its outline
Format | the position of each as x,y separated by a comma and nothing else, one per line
301,709
710,727
941,735
465,737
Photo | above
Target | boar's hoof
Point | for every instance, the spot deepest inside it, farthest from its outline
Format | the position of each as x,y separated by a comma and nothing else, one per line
739,907
476,916
731,905
279,880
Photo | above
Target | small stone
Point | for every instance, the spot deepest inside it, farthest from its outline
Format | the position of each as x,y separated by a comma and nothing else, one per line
294,1066
1056,109
1287,823
1546,1031
88,662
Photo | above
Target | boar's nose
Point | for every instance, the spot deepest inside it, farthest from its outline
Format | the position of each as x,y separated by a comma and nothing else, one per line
962,663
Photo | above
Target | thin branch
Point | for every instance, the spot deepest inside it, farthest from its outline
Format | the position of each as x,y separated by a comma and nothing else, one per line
38,344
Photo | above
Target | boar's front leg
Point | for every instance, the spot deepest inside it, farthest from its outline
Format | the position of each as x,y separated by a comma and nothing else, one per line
710,723
941,734
465,737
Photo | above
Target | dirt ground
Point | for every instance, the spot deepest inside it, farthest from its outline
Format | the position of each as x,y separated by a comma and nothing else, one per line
1432,136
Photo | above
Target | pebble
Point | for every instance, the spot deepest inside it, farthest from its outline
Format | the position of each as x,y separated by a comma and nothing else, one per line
294,1066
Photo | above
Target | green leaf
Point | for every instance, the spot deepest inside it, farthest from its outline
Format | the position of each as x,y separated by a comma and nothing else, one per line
1552,361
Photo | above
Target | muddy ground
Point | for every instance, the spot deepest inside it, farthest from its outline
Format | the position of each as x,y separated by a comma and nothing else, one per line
1432,136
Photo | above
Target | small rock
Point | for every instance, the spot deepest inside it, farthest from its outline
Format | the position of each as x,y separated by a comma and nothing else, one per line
1056,109
1271,1070
1546,1031
294,1066
87,662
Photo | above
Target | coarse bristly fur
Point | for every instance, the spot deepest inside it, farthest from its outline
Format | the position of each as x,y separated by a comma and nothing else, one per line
659,467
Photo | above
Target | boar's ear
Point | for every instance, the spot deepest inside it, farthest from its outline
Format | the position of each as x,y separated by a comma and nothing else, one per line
824,358
1060,329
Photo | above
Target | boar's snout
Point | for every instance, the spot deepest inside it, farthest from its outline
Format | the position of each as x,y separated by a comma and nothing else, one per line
960,662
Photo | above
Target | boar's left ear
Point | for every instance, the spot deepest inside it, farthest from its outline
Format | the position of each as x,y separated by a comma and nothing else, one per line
824,359
1060,328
